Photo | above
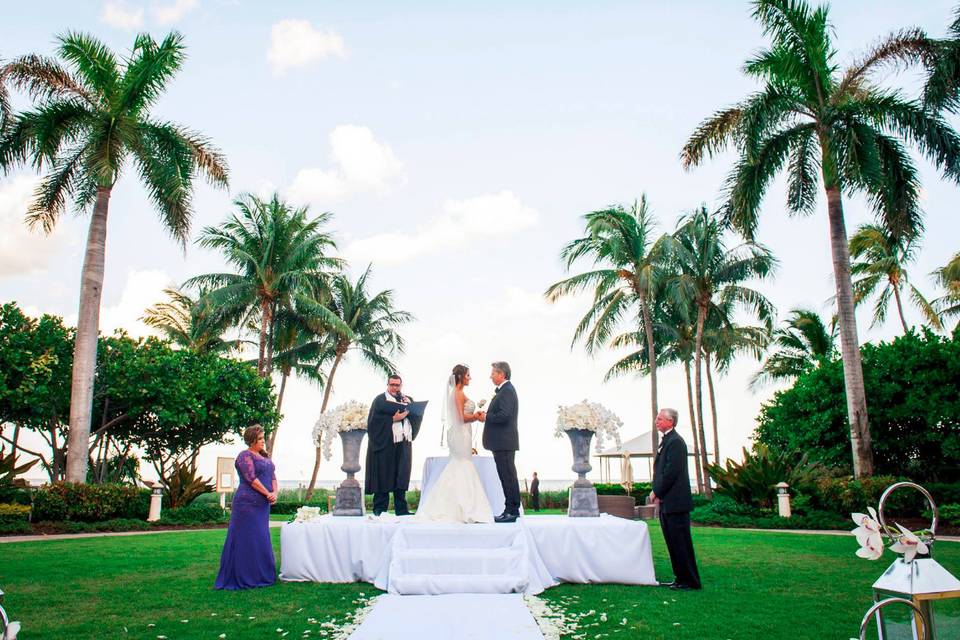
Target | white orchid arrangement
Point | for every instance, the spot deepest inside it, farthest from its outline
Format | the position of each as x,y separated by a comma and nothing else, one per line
870,537
347,417
592,416
307,514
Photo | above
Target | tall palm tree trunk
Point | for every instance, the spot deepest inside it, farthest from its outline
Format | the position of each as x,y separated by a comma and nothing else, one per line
713,409
698,389
652,363
323,409
896,296
849,343
693,425
85,345
265,320
283,387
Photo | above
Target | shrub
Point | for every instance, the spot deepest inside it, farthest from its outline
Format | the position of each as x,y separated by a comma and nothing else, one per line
63,501
846,495
950,514
15,527
724,512
195,514
640,490
14,513
183,485
753,480
290,508
116,524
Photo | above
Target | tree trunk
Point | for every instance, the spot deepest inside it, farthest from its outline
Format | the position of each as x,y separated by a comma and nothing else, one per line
264,325
323,409
698,389
713,409
16,438
693,425
896,295
652,363
283,386
849,343
85,346
269,365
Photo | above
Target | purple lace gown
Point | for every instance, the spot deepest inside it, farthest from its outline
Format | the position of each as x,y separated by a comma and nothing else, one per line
247,559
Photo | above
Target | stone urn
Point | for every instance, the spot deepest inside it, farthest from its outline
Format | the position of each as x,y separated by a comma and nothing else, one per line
349,500
583,495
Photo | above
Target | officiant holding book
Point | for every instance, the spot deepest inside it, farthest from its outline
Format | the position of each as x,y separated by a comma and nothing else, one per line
392,426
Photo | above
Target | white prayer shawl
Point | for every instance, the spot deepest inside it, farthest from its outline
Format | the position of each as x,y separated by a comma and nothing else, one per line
401,430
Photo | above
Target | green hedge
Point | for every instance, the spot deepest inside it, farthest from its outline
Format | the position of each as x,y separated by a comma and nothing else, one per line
195,514
724,512
15,527
290,508
64,501
14,513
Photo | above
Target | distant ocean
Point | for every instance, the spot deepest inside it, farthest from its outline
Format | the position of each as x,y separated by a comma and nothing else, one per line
545,485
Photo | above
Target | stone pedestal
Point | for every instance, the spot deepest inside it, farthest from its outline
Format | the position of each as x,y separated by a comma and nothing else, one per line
156,500
583,495
349,497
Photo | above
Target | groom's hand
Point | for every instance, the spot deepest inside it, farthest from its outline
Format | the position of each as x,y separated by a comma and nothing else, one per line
481,416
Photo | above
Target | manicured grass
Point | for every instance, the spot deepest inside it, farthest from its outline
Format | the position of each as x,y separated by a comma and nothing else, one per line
757,585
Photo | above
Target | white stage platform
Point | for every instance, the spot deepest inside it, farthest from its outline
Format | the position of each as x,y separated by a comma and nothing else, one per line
402,556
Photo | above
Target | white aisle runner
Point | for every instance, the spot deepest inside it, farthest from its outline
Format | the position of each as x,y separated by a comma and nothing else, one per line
449,617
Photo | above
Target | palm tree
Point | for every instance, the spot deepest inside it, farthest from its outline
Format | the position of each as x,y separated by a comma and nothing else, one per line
90,121
723,340
813,119
367,324
880,259
190,323
801,344
948,277
621,245
279,254
710,280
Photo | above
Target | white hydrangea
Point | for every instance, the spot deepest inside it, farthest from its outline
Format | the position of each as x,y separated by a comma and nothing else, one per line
347,417
592,416
307,514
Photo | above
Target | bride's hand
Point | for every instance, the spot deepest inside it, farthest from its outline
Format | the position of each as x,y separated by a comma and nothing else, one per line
473,450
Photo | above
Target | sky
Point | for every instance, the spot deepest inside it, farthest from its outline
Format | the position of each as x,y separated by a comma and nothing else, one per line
459,146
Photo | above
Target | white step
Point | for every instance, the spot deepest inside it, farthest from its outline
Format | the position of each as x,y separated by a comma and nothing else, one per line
452,537
508,560
431,584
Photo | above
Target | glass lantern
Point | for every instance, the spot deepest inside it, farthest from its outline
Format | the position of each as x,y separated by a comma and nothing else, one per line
932,590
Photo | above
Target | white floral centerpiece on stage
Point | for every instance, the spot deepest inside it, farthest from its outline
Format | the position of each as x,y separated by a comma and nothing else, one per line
307,514
349,416
591,416
580,422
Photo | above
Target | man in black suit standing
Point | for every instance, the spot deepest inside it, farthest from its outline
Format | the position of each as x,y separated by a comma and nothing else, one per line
500,436
671,489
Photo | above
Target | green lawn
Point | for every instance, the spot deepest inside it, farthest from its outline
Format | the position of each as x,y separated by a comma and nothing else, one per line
757,585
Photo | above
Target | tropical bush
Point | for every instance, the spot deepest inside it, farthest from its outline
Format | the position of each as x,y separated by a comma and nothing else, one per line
14,513
950,514
183,486
722,511
914,410
195,514
65,501
753,481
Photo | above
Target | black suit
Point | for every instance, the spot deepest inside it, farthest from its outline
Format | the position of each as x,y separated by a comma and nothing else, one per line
671,483
388,462
500,436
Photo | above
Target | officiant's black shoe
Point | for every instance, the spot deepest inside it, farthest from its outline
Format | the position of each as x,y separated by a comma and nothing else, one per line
506,517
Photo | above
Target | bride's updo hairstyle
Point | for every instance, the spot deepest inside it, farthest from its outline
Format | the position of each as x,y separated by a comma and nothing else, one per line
459,371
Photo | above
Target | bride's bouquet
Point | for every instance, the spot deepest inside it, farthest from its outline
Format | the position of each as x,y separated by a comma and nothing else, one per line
592,416
347,417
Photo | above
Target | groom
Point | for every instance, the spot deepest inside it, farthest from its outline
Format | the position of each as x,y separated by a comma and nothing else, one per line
500,436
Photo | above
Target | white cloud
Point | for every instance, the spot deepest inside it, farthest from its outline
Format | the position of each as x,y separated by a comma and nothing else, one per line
361,164
117,14
296,43
24,251
461,221
170,13
142,289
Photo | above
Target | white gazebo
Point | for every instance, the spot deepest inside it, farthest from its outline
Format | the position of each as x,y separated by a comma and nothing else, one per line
639,447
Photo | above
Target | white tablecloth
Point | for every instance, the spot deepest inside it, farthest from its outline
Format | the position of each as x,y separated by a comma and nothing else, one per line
561,549
486,467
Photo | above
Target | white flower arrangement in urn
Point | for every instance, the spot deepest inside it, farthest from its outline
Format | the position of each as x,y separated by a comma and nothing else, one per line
591,416
346,417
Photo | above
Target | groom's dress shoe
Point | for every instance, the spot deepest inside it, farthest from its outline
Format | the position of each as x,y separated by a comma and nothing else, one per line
506,517
684,587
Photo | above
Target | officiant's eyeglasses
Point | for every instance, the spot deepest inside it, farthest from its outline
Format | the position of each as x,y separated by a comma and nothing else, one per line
393,384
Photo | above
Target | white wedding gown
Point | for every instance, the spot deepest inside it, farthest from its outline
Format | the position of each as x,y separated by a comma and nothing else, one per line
458,495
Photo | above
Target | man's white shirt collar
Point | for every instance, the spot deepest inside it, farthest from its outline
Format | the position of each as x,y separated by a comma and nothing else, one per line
500,386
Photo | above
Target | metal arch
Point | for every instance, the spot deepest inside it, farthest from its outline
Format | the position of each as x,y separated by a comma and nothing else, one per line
875,610
895,535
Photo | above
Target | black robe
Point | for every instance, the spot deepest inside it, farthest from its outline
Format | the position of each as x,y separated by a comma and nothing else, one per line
388,464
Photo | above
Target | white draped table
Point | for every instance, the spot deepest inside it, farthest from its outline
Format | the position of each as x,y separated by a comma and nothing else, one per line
486,468
558,549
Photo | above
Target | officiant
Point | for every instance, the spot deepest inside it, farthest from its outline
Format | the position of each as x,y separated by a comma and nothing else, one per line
391,430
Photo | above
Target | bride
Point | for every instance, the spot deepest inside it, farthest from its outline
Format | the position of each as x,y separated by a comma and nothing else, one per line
458,495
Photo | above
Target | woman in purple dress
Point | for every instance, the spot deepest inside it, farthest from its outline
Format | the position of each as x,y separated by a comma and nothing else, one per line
247,559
